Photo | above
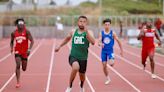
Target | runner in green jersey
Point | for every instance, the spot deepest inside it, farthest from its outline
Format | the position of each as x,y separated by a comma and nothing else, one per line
81,37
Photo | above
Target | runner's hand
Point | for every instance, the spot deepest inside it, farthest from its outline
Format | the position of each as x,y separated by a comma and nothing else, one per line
85,28
121,53
101,44
159,43
11,51
57,48
28,52
142,33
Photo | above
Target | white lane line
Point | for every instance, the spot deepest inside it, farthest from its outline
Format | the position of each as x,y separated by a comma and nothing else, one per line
51,65
162,65
122,77
5,57
89,83
8,81
140,49
135,65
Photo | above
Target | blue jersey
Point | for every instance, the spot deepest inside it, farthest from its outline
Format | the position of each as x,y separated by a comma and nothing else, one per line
108,41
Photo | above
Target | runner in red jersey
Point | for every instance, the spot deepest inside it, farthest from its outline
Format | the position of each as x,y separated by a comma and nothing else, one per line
148,48
158,24
21,36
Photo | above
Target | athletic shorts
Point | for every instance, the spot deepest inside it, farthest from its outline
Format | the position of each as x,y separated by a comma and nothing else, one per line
146,52
22,56
82,63
105,56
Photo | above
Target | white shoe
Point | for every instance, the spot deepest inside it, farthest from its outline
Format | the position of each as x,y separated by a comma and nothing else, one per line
107,81
153,76
68,89
82,89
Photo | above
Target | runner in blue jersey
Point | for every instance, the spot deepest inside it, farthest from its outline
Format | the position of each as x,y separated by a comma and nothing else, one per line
106,41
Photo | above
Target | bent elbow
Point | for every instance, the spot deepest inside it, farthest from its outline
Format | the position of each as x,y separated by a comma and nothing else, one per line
93,43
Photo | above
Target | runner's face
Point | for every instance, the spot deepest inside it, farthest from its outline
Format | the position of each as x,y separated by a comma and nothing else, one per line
20,25
107,25
82,22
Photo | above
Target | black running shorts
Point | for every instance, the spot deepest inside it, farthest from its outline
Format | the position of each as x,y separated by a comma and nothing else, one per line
82,63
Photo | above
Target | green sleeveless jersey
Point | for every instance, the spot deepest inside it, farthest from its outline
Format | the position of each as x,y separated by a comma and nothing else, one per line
80,46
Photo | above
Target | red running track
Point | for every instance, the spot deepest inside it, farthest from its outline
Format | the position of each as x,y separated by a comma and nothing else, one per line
49,72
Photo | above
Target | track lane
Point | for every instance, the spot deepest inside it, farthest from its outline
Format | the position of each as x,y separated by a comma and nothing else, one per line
136,59
9,73
7,66
61,72
114,75
35,79
4,42
158,57
136,76
6,52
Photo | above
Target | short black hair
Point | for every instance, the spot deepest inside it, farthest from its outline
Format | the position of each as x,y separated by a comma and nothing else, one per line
106,20
19,19
82,16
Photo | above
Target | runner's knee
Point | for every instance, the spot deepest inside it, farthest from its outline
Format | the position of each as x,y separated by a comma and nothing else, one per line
104,65
151,60
75,66
82,76
24,65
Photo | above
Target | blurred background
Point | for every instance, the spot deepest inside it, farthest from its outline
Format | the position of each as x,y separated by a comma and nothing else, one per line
55,18
44,17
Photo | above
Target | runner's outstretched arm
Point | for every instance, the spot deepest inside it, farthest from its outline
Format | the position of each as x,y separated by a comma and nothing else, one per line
12,42
31,39
65,41
119,42
141,34
90,37
29,36
100,41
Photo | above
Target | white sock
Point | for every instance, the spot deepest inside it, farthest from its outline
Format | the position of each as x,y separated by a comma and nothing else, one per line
108,78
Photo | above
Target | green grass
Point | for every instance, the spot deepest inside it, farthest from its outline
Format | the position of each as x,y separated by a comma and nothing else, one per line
131,7
109,7
88,4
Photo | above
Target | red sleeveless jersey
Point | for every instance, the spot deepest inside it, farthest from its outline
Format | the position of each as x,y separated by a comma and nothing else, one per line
21,39
148,39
